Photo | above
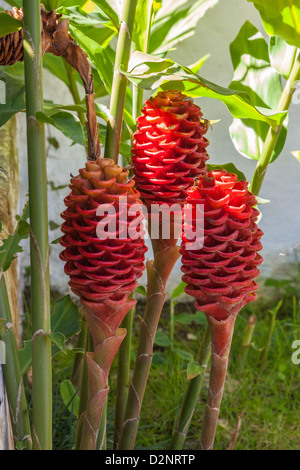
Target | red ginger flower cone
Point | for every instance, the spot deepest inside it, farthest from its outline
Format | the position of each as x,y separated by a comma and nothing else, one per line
103,273
11,45
220,274
169,148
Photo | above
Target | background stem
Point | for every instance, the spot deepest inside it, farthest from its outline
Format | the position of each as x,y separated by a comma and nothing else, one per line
117,103
123,377
191,396
13,378
158,272
273,134
74,90
39,244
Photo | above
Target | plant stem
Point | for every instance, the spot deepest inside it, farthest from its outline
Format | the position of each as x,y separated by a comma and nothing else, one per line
12,375
101,441
221,336
246,343
79,358
73,89
273,134
265,352
191,396
117,103
123,379
83,402
158,272
39,244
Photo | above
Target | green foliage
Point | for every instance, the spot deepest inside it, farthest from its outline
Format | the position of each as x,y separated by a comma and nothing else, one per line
230,167
11,245
13,77
64,324
176,23
8,24
193,370
150,72
179,290
67,123
282,56
70,397
254,74
281,18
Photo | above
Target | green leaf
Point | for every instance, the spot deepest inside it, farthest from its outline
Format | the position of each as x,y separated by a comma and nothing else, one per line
254,74
10,246
141,290
65,317
13,90
151,72
70,397
230,167
98,56
179,290
189,318
162,339
281,18
142,24
8,24
64,324
109,11
193,370
282,56
67,123
174,24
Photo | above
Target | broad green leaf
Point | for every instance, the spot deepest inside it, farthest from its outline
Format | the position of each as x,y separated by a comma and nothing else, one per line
230,167
109,11
282,56
193,370
179,290
189,318
64,324
67,123
162,339
11,245
70,397
151,72
15,3
142,24
8,24
12,91
281,18
98,55
254,74
65,317
176,21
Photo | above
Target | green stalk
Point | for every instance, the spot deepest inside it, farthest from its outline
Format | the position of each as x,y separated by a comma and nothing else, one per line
117,103
265,352
83,393
79,357
12,376
39,244
246,343
191,396
71,72
158,272
273,134
123,379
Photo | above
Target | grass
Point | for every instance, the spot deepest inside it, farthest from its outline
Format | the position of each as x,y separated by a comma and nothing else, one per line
270,397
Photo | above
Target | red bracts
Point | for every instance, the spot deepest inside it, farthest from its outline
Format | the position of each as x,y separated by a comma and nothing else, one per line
220,274
101,270
169,148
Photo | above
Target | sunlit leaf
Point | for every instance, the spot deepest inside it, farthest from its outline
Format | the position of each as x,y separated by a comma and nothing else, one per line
8,24
282,56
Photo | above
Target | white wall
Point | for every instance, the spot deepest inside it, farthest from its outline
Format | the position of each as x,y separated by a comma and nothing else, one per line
281,218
